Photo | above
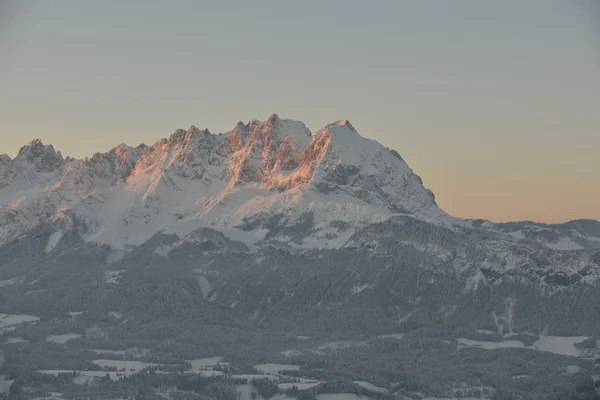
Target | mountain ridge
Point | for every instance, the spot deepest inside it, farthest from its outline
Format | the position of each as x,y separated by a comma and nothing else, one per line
255,180
272,244
259,170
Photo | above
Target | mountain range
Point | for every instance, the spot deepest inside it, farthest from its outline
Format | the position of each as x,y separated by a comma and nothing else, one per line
262,181
270,243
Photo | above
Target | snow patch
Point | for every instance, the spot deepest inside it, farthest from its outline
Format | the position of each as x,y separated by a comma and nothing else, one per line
62,339
360,287
371,387
204,363
205,286
113,276
274,369
53,241
491,345
561,345
299,385
573,369
8,321
406,317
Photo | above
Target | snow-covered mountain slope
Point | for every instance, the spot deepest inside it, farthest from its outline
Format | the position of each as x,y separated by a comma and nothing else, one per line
482,254
268,180
262,182
572,235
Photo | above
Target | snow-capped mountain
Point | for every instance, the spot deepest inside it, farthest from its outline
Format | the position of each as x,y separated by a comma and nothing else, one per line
270,240
262,180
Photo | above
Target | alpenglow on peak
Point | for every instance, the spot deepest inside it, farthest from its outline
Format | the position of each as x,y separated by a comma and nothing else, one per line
260,181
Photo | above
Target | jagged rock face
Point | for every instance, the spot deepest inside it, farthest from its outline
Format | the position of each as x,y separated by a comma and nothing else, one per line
7,172
34,163
39,156
262,151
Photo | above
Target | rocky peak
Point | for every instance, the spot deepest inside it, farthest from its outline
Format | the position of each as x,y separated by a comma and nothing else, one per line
124,159
344,122
261,149
41,157
6,170
237,137
6,162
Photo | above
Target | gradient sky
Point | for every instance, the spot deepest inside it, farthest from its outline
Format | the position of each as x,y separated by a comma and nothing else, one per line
496,105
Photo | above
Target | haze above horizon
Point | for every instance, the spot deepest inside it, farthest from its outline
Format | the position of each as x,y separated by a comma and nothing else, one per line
495,105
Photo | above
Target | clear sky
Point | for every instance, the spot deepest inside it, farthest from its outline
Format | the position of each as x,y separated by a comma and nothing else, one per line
495,104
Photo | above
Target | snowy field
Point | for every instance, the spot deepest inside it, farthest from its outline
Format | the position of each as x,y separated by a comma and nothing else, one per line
299,385
4,384
561,345
62,339
274,369
7,320
370,386
204,363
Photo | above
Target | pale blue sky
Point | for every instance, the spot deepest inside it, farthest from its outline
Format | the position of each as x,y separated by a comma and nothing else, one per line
496,105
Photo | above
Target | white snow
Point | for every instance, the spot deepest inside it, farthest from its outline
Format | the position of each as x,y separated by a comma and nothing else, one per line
245,392
406,317
559,345
274,369
397,336
299,385
5,384
491,345
359,288
280,396
203,363
249,377
208,373
113,276
7,282
195,179
553,344
573,369
338,345
205,286
163,250
7,321
564,243
473,282
485,331
291,353
62,339
371,387
53,241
